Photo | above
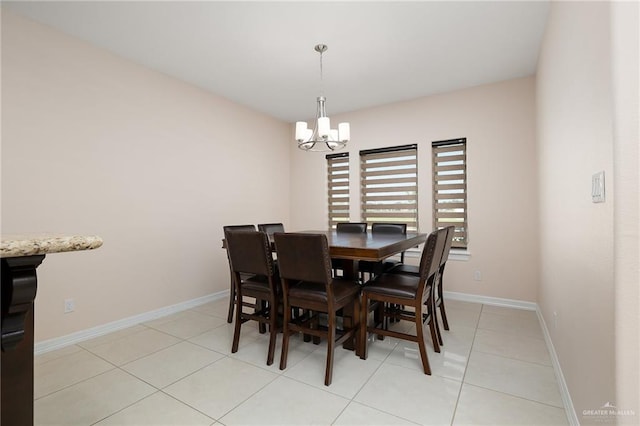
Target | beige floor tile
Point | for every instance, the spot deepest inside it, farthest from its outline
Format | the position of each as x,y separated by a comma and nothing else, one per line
358,414
218,308
419,398
221,386
511,324
479,406
158,409
459,304
450,362
187,324
220,339
255,352
514,346
134,346
58,353
501,310
287,402
350,372
380,349
171,364
90,401
67,370
110,337
519,378
462,317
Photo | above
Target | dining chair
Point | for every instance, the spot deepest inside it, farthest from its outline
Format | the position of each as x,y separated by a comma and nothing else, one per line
250,254
375,268
270,228
408,291
307,283
438,292
346,228
232,287
351,227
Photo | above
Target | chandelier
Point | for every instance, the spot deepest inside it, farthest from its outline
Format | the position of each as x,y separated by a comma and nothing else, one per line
322,137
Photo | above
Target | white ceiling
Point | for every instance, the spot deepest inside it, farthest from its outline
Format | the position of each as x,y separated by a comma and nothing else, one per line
260,54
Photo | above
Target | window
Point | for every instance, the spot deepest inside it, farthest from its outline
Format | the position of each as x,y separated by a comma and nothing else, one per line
449,167
389,185
338,188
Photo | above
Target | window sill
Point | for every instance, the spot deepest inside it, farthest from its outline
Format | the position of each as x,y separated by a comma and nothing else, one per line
458,254
454,254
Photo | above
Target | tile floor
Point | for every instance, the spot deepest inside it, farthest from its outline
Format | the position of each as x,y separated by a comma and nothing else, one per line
494,368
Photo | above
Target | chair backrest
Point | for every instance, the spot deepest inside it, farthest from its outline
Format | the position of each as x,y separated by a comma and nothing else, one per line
238,228
447,248
351,227
432,254
389,228
249,252
250,228
303,257
270,228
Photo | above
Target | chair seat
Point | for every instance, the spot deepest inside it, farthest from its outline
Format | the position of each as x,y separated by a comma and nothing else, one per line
343,290
259,283
404,286
405,269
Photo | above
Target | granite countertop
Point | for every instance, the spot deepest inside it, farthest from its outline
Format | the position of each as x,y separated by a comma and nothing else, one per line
29,245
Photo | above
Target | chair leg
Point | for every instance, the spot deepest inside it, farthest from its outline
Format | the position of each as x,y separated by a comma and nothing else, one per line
437,326
238,324
273,329
356,325
261,305
443,313
285,336
364,313
432,327
331,343
434,318
232,301
421,345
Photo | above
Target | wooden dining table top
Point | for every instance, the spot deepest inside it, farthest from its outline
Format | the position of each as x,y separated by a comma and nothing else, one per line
365,246
369,246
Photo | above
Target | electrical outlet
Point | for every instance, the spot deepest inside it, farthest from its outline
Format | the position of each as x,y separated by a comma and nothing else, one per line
69,305
555,320
477,276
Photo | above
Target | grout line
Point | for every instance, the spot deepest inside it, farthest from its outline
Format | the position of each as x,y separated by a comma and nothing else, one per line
515,396
466,367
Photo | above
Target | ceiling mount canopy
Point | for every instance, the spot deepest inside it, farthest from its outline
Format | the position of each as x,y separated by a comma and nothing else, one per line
322,137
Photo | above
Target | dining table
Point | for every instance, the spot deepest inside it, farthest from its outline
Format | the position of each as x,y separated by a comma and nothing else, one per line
361,246
367,246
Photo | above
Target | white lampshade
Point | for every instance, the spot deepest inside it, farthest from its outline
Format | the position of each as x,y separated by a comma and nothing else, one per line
344,132
324,127
301,130
307,134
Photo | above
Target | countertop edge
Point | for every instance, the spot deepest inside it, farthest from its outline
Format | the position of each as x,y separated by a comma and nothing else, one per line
18,246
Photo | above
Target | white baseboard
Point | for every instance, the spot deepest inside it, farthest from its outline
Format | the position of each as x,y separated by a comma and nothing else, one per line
569,409
529,306
494,301
80,336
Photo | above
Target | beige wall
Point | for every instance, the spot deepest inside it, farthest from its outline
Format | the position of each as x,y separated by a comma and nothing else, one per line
93,144
498,121
625,41
576,236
